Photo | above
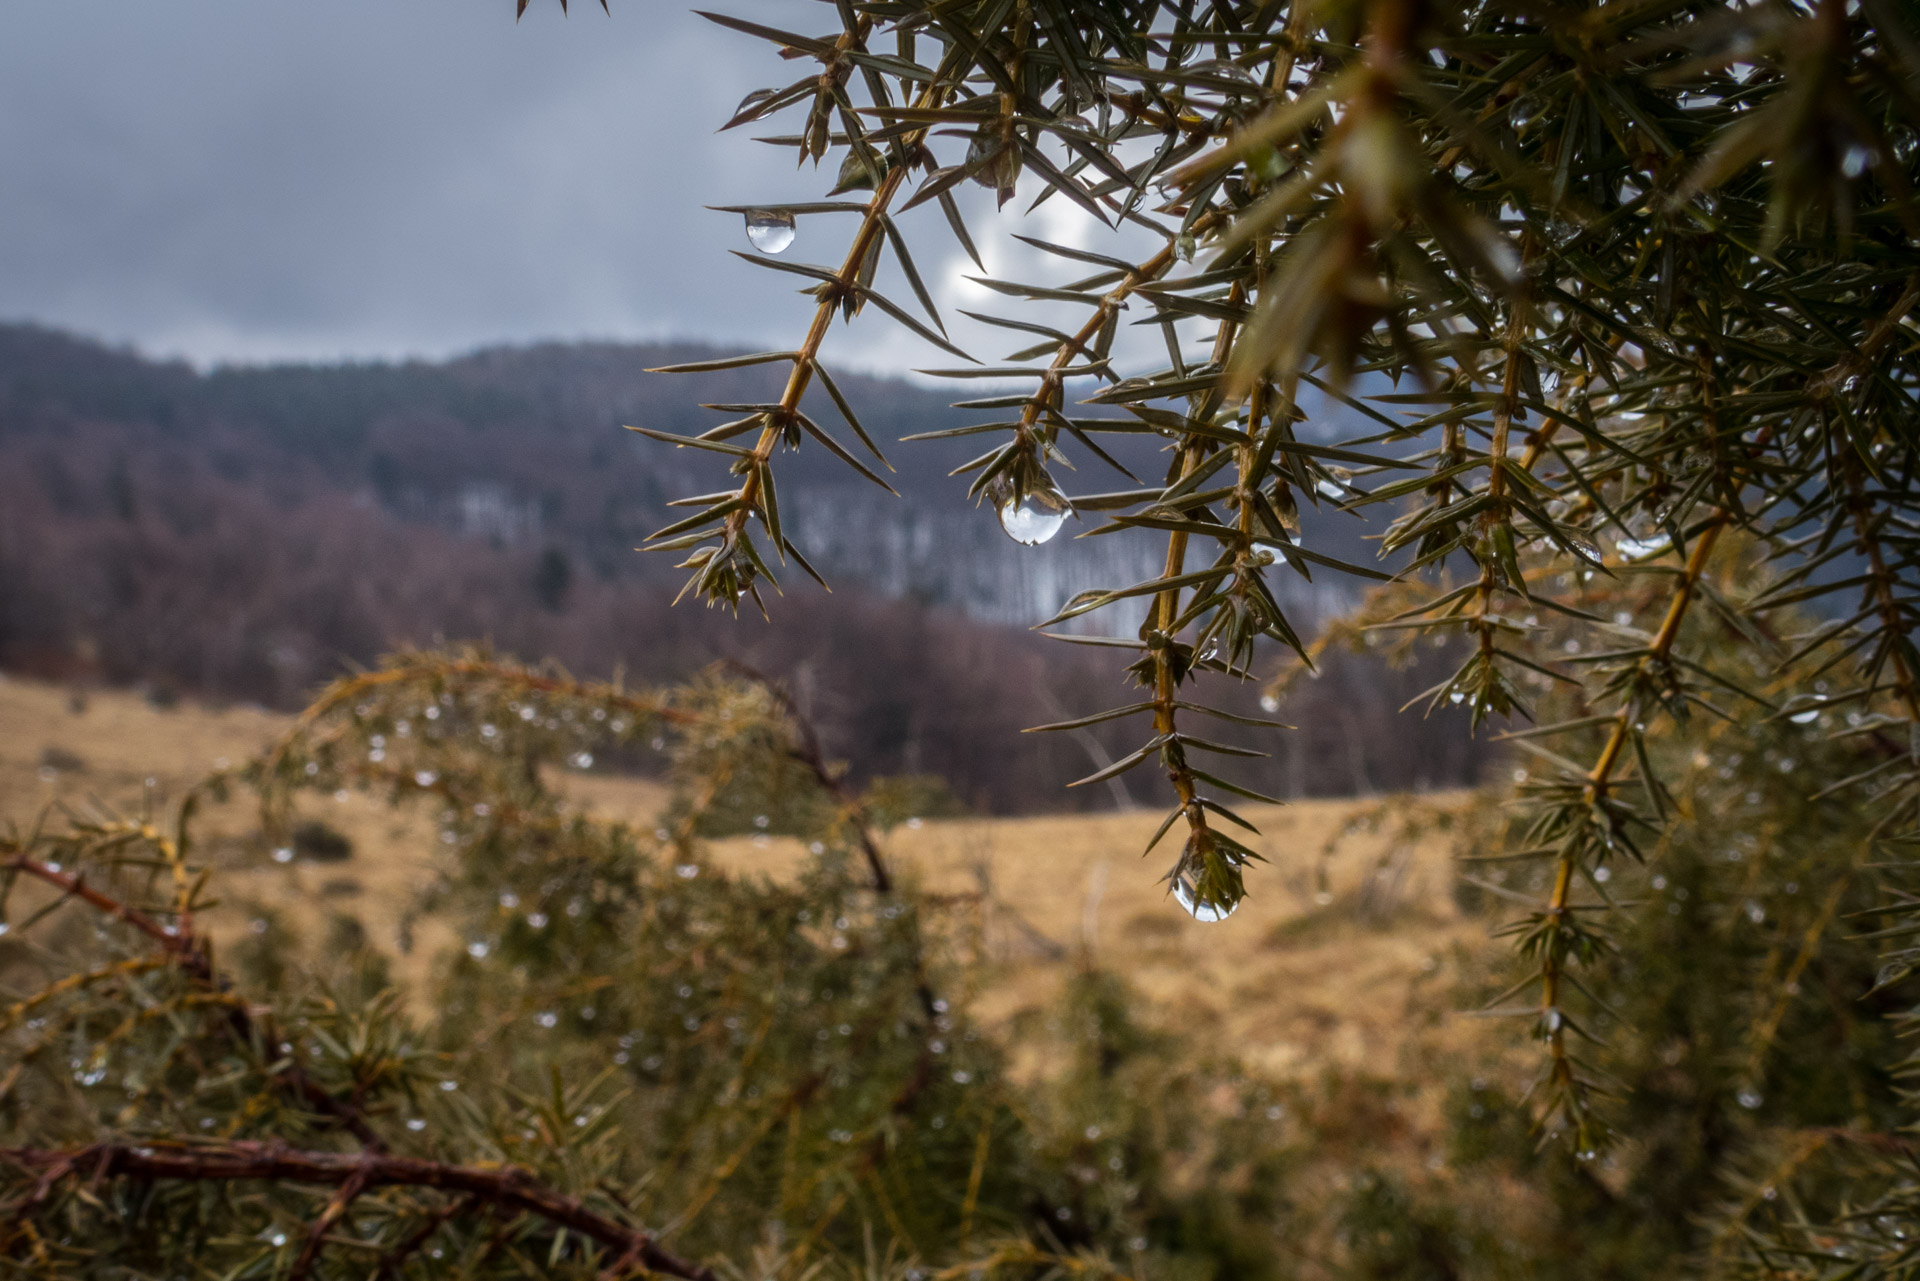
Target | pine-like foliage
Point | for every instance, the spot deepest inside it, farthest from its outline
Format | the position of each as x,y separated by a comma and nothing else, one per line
1576,301
624,1043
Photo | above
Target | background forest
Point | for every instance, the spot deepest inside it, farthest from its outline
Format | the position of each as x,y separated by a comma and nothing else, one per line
243,534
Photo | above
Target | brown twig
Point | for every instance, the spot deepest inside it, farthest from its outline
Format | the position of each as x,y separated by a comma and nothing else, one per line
509,1188
806,750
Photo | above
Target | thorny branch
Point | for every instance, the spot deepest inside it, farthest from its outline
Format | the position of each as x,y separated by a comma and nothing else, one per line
508,1188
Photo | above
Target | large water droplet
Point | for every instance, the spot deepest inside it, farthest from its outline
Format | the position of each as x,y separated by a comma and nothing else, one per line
1856,159
1206,882
1524,111
1201,910
770,230
1034,517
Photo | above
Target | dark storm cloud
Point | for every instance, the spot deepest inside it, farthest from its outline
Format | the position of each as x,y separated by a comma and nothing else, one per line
239,179
266,179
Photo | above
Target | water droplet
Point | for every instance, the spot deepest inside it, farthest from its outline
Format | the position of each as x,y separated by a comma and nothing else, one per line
1642,548
1584,546
283,855
416,1125
1550,381
770,230
1200,887
1184,246
1750,1099
1602,874
687,871
477,950
1457,696
1033,518
1269,703
1221,69
1856,159
425,778
279,1239
1327,489
1524,111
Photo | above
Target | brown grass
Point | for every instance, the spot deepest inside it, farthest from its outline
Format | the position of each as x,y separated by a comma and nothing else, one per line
1342,957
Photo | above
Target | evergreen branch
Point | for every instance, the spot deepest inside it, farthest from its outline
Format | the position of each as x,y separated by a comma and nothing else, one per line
190,954
439,667
1566,1087
722,575
507,1187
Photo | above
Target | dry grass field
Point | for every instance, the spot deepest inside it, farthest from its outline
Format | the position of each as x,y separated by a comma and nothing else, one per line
1343,957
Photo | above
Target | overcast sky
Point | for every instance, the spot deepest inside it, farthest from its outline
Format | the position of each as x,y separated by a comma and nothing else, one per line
247,180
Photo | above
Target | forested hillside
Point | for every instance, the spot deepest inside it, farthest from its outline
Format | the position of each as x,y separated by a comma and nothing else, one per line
243,533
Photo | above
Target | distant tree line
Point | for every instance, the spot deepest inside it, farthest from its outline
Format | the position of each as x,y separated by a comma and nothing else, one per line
245,534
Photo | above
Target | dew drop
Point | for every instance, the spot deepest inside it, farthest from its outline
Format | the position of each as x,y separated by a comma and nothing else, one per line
1034,518
1642,548
1584,546
1203,910
1221,69
1750,1099
1269,703
770,230
1855,160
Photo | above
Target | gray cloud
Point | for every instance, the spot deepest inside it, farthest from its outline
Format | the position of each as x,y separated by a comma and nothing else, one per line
239,180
